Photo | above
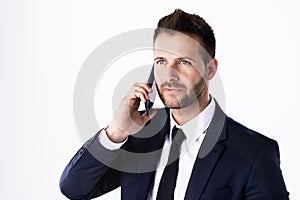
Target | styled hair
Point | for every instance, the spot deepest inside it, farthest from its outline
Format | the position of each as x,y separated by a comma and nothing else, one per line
190,24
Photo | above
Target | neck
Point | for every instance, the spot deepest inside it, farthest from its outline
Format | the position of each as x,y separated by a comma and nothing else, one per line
183,115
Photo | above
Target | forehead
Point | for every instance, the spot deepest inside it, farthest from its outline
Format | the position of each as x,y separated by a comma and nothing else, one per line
177,44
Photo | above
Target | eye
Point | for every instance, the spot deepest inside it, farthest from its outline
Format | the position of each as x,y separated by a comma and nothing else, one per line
184,62
160,62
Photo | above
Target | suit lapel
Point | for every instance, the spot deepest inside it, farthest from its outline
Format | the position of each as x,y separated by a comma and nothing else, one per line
208,156
209,153
201,172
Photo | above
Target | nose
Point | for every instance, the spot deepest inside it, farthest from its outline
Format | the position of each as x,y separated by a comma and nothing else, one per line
172,72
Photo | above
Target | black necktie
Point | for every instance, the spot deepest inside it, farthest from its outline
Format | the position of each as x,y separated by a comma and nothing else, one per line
168,180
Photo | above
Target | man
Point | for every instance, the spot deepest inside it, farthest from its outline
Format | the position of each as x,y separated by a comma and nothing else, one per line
190,149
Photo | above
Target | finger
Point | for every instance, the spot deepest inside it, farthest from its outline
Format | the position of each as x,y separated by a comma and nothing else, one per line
142,90
146,117
145,86
141,96
139,93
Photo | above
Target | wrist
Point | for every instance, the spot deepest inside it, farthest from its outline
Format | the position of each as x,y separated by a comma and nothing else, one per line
115,134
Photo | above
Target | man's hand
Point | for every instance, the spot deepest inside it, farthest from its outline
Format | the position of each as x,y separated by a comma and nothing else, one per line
127,120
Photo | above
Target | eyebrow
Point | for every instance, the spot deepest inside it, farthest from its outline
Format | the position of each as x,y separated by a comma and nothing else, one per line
180,58
159,58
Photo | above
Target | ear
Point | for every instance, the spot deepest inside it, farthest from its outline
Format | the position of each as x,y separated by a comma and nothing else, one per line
212,68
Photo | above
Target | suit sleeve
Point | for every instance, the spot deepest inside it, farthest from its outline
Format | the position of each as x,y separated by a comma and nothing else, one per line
87,175
266,180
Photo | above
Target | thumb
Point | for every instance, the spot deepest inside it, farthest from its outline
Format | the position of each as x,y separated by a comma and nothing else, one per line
146,117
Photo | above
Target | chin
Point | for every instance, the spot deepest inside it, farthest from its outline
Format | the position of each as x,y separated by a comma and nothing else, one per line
172,104
175,104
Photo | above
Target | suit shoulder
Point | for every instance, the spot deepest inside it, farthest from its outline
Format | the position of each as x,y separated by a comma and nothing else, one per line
245,139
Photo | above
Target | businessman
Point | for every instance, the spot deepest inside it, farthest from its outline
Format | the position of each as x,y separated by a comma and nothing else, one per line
188,150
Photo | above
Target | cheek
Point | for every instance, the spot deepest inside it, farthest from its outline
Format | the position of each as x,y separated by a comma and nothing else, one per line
191,78
159,73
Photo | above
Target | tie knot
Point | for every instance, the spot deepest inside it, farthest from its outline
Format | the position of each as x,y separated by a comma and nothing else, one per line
177,135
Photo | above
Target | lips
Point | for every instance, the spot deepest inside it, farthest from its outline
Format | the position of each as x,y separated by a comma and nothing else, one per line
172,90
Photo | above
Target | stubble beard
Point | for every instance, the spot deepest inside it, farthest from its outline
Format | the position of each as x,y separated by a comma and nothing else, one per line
192,95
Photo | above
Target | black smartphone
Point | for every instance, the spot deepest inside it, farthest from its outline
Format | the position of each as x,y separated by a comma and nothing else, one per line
152,95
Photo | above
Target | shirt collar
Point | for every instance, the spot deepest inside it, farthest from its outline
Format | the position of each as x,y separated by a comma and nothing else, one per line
198,125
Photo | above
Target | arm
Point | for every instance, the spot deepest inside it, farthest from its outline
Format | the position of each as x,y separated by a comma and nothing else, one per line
87,175
266,180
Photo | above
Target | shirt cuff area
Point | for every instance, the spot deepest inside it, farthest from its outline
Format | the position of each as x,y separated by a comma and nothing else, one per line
107,143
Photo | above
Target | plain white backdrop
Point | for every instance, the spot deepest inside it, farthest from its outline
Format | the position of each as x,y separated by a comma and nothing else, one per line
43,45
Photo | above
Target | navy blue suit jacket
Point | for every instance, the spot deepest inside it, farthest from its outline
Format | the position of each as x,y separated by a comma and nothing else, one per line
234,162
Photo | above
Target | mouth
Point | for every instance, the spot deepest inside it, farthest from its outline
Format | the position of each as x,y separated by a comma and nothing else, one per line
169,90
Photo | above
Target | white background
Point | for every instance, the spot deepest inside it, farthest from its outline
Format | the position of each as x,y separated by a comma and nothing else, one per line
43,45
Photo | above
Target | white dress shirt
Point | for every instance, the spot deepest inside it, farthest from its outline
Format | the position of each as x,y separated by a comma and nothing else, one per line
188,152
194,132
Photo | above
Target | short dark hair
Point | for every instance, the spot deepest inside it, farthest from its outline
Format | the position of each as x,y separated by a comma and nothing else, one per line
190,24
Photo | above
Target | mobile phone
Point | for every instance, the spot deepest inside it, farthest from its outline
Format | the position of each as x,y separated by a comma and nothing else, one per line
152,95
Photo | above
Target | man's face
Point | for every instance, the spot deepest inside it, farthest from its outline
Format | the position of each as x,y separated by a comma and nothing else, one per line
179,70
